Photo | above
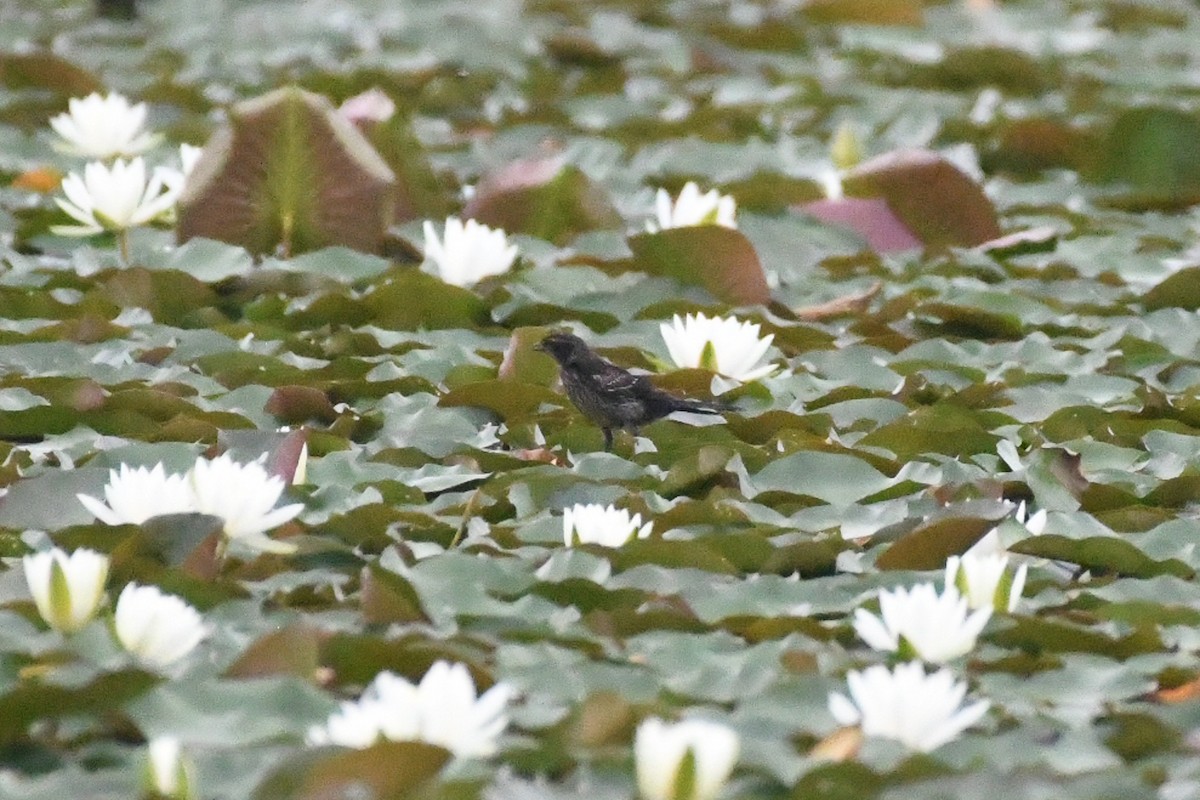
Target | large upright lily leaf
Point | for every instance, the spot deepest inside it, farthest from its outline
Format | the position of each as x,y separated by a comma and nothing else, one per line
932,197
722,260
871,218
542,197
418,191
1153,151
289,174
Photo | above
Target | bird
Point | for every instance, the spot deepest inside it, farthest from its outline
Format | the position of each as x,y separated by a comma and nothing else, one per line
610,396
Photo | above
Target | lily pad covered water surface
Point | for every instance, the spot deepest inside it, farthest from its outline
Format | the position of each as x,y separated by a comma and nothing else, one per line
969,229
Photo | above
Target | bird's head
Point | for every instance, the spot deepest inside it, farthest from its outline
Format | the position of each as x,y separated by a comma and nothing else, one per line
564,348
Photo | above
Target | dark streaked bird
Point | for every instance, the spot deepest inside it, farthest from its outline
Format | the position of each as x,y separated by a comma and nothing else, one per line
612,397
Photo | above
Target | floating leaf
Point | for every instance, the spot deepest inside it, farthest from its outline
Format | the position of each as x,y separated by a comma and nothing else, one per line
210,261
47,502
412,300
1178,290
176,537
834,478
290,651
26,703
1101,554
908,13
854,303
1036,635
1029,145
293,405
971,321
383,771
510,400
604,718
928,546
1011,70
524,363
47,72
388,597
1031,240
841,745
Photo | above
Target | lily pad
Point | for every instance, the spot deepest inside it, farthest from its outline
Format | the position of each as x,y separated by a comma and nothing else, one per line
934,199
542,197
288,174
720,259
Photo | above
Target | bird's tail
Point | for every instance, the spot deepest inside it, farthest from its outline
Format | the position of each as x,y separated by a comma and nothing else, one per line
702,406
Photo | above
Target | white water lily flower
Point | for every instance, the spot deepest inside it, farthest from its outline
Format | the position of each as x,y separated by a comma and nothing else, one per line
1035,523
158,628
67,589
692,208
174,178
666,753
359,723
102,127
114,198
597,524
724,345
453,717
984,580
468,252
135,494
168,772
189,154
244,497
921,711
443,710
919,622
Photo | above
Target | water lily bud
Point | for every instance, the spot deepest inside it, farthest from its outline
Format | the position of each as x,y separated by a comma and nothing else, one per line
168,771
158,628
985,581
67,589
689,760
846,149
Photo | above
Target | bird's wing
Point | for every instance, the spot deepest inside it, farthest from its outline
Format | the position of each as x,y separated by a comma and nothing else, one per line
612,380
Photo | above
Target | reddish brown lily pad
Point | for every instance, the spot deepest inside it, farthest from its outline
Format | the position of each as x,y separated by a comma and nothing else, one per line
722,260
289,174
871,218
542,197
934,199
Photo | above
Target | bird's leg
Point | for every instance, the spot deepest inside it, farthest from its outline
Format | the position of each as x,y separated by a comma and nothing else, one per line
608,439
